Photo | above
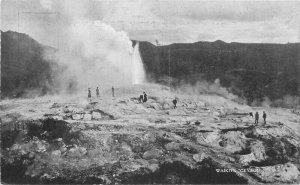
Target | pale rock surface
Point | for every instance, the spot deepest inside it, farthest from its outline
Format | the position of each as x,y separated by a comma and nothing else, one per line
77,152
172,146
199,157
96,115
153,153
284,173
87,117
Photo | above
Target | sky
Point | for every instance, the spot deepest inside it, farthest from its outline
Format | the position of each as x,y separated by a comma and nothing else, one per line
168,21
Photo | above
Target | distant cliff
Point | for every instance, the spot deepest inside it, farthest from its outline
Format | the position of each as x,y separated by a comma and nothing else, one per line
253,71
24,68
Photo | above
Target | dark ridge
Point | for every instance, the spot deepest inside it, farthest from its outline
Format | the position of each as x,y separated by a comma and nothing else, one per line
249,70
24,68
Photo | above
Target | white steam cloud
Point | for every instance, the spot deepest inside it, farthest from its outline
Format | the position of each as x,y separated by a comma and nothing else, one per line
92,52
98,55
47,4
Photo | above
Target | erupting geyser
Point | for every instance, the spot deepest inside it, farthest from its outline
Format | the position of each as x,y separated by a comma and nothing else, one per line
98,55
138,73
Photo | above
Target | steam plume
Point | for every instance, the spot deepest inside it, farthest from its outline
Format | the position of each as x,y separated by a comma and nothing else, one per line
97,56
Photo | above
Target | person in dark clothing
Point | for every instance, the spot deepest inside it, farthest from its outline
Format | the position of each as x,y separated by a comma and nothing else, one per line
256,117
175,102
97,92
145,97
141,98
264,117
251,114
113,91
89,93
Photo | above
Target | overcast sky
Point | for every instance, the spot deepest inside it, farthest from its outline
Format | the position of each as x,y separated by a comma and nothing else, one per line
167,21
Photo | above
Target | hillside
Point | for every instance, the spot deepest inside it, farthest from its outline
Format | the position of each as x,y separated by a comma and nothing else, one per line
253,71
24,68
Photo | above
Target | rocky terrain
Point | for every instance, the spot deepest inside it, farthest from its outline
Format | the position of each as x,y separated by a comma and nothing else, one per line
206,139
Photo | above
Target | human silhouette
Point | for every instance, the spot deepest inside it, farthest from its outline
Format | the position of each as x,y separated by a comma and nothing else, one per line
141,98
264,117
145,97
89,93
97,92
256,117
175,102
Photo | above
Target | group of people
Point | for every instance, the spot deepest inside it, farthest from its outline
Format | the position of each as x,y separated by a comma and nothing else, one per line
98,92
90,93
257,117
143,98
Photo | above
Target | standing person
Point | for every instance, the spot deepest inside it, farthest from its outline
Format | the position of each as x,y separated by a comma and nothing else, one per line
97,92
175,102
145,97
141,98
256,117
113,91
265,117
89,93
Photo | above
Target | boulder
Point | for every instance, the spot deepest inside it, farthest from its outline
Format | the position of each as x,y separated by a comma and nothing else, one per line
200,104
166,106
172,146
87,117
125,147
63,149
258,150
279,173
56,154
257,154
153,161
199,157
212,137
15,147
245,160
216,113
96,115
234,141
59,139
152,154
77,116
156,106
68,109
77,152
40,146
209,138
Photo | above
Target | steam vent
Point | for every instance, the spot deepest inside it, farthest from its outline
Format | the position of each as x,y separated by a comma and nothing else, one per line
150,92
